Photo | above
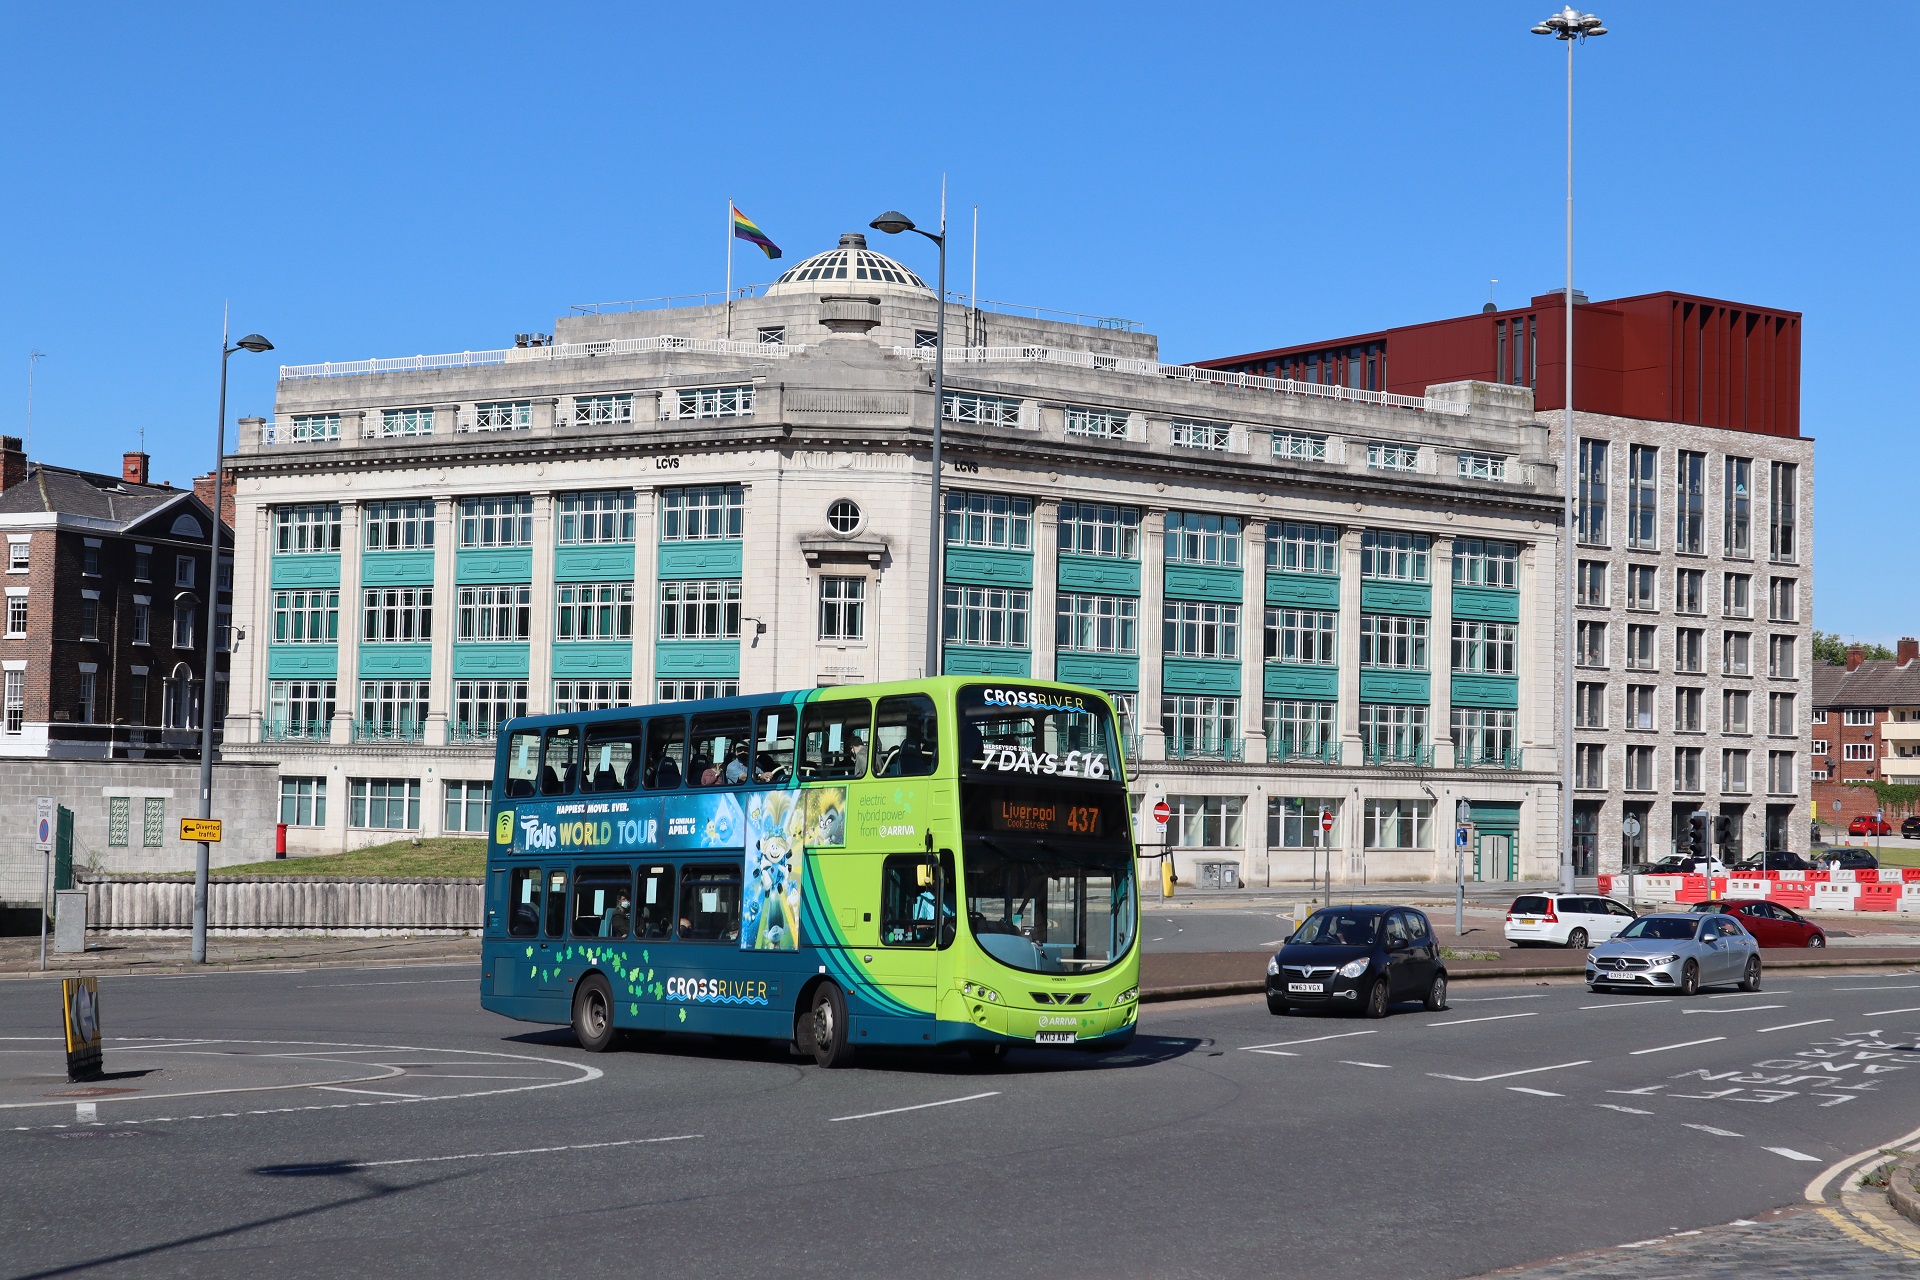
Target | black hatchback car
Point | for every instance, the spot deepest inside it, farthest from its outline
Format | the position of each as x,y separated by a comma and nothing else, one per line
1910,828
1363,958
1845,859
1774,860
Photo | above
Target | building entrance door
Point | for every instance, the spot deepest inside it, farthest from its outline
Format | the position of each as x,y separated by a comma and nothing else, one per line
1496,856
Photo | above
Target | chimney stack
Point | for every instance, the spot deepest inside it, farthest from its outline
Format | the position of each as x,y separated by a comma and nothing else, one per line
13,463
1855,656
1907,650
133,467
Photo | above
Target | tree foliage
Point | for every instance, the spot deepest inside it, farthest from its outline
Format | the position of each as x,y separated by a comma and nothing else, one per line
1829,648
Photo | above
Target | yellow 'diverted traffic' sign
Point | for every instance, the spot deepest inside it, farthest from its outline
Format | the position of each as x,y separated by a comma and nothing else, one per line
200,830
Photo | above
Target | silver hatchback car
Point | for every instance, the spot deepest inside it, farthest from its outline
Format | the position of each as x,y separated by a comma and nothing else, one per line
1676,952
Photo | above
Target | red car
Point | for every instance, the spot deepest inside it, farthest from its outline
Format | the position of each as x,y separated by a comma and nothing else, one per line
1771,924
1865,826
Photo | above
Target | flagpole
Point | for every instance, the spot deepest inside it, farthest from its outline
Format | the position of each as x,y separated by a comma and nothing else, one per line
729,268
973,285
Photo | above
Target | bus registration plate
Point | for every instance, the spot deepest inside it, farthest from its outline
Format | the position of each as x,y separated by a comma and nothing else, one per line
1054,1037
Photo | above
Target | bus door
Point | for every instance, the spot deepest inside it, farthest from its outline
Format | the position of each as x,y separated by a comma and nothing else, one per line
649,952
549,981
916,906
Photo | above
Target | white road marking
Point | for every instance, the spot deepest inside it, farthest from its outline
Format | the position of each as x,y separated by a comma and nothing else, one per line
1381,1066
1905,986
1718,1133
1736,995
1278,1053
1791,1154
894,1111
1497,1017
1684,1044
1881,1013
1538,1093
1508,1075
1490,999
1614,1106
1628,1003
480,1155
1788,1026
1745,1008
377,1093
1281,1044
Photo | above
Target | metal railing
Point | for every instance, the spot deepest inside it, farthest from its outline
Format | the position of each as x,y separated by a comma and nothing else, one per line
1038,354
1284,751
1489,758
465,732
520,355
1420,757
1203,749
378,731
295,730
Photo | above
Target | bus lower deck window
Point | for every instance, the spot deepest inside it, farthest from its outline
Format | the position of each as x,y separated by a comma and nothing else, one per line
710,903
523,902
556,904
602,902
653,910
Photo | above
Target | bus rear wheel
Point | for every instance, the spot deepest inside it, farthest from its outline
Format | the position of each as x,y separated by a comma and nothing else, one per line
828,1025
593,1014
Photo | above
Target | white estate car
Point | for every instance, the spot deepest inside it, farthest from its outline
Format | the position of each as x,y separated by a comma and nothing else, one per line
1565,919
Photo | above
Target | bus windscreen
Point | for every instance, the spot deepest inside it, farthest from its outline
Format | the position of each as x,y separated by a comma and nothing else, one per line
1010,730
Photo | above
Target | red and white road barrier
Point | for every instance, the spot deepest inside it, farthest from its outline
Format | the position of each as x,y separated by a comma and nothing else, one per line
1888,889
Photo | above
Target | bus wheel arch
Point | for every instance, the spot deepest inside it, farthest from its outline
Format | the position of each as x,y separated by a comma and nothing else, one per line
593,1012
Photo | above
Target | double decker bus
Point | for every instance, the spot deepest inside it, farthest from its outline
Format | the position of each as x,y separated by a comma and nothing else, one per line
938,863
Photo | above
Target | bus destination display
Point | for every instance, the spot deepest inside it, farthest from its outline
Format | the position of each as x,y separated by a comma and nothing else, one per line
1044,817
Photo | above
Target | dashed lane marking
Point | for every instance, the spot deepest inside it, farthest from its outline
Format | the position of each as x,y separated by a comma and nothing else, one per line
1791,1154
894,1111
1538,1093
1281,1044
1614,1106
1497,1017
1508,1075
1788,1026
1491,999
1905,986
1745,1008
1378,1066
473,1155
377,1093
1684,1044
402,982
1277,1053
1718,1133
1883,1013
1622,1004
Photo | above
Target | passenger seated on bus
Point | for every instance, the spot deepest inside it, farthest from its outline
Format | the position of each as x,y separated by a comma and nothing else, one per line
767,769
613,922
737,769
705,771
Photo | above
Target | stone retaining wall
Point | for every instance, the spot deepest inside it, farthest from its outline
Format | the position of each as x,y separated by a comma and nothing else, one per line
285,904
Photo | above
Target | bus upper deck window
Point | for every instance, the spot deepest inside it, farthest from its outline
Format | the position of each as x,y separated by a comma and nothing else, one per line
719,753
833,739
773,746
523,764
906,737
612,758
558,762
666,753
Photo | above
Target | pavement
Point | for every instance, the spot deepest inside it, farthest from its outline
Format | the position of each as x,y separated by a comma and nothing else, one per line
333,1121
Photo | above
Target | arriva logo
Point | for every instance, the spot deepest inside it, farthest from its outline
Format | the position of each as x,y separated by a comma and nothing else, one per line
503,827
539,835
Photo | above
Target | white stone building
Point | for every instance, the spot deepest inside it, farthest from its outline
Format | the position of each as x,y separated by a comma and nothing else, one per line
1304,597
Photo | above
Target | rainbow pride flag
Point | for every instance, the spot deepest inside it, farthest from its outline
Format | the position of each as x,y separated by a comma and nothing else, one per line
744,228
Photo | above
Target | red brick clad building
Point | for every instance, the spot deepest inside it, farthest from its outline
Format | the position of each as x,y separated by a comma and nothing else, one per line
103,645
1865,727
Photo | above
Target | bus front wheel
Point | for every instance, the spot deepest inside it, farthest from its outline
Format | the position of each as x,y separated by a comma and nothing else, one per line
593,1014
827,1023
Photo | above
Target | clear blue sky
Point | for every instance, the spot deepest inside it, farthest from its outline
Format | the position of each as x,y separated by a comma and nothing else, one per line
401,178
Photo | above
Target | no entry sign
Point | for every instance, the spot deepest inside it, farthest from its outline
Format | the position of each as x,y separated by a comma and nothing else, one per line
1161,812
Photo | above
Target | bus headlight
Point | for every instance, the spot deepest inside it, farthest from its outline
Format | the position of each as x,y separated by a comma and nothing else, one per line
1128,996
975,991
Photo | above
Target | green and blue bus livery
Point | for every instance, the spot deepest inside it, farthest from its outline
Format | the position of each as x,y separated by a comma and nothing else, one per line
931,863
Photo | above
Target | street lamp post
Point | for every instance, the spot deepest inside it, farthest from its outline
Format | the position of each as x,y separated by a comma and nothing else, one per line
894,222
1570,26
203,854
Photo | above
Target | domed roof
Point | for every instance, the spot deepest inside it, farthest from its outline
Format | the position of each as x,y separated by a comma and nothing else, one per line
850,267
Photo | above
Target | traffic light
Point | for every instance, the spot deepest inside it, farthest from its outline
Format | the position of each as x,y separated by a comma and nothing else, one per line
1723,830
1699,836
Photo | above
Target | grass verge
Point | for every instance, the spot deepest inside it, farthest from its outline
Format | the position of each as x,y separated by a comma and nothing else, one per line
400,860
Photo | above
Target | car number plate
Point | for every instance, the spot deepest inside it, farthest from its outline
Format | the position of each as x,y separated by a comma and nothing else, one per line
1055,1037
1529,922
1312,988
